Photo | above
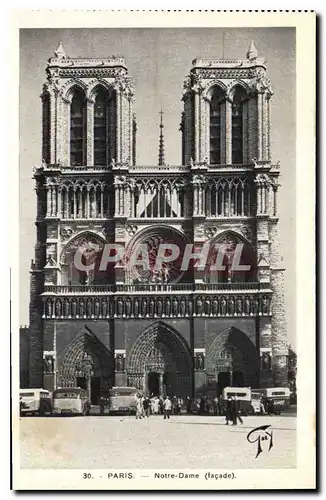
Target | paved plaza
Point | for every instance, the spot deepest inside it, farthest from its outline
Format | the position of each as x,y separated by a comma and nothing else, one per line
185,441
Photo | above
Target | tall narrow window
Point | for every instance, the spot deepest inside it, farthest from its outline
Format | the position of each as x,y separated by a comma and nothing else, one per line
237,129
215,127
100,129
77,116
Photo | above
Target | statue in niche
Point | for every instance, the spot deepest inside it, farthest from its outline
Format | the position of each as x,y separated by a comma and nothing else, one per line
120,307
151,307
128,307
67,308
81,308
89,308
167,307
159,307
49,308
183,306
58,308
97,308
200,361
74,308
144,308
266,362
207,307
231,305
48,364
254,306
190,307
111,308
199,306
223,306
136,308
175,306
120,363
104,308
247,305
239,305
214,307
265,305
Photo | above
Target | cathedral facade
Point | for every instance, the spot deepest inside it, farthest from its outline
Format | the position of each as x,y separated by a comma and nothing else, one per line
177,331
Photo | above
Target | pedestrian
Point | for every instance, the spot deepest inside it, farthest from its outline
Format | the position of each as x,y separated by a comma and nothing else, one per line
188,405
146,406
229,409
156,406
139,407
215,406
167,406
236,411
161,404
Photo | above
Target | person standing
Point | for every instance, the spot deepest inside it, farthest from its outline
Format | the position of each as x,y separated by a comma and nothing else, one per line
139,407
167,407
215,406
229,411
236,411
146,406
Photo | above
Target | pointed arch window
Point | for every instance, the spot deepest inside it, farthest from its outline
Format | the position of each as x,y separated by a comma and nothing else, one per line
215,127
101,128
237,125
77,127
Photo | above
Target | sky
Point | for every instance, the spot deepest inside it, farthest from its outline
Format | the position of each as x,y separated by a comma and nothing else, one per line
158,59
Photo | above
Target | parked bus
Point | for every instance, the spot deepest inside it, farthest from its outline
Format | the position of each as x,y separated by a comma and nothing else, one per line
35,402
275,399
248,404
71,401
121,400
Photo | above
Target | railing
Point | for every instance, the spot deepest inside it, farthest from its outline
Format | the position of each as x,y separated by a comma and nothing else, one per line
154,287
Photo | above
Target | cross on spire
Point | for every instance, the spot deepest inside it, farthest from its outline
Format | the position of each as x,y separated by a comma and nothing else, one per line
161,160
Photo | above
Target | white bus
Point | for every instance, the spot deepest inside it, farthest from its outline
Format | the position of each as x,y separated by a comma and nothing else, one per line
35,402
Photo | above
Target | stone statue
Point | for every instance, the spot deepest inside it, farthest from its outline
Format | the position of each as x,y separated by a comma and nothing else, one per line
81,308
175,306
231,306
120,307
58,308
97,308
239,305
67,308
49,308
144,308
119,363
136,308
74,308
167,307
104,308
223,306
151,307
207,307
159,307
189,307
128,307
254,306
215,307
48,364
183,307
266,361
247,305
89,308
265,305
199,306
199,361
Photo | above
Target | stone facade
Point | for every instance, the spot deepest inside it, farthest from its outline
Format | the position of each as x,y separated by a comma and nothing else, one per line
184,332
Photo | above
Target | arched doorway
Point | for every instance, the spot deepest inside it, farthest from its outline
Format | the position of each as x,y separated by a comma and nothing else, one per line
160,362
86,363
232,360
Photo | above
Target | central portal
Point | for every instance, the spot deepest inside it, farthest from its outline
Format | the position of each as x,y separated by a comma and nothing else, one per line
153,383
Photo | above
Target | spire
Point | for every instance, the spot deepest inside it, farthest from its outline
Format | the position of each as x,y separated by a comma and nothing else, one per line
252,53
60,52
161,160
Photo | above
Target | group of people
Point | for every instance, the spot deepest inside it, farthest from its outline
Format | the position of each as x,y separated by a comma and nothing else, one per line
146,406
233,411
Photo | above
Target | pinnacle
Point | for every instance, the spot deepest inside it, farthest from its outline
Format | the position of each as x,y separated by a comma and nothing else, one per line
252,51
60,52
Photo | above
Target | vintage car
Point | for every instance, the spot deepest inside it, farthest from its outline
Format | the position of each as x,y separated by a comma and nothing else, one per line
249,404
35,402
71,401
275,399
119,400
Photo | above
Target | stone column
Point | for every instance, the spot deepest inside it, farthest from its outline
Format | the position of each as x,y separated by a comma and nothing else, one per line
228,131
89,132
260,126
118,125
196,127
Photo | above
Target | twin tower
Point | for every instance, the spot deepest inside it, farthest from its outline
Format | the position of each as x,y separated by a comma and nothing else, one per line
183,332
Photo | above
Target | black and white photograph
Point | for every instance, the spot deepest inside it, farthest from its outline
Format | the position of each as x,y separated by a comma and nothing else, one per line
158,313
